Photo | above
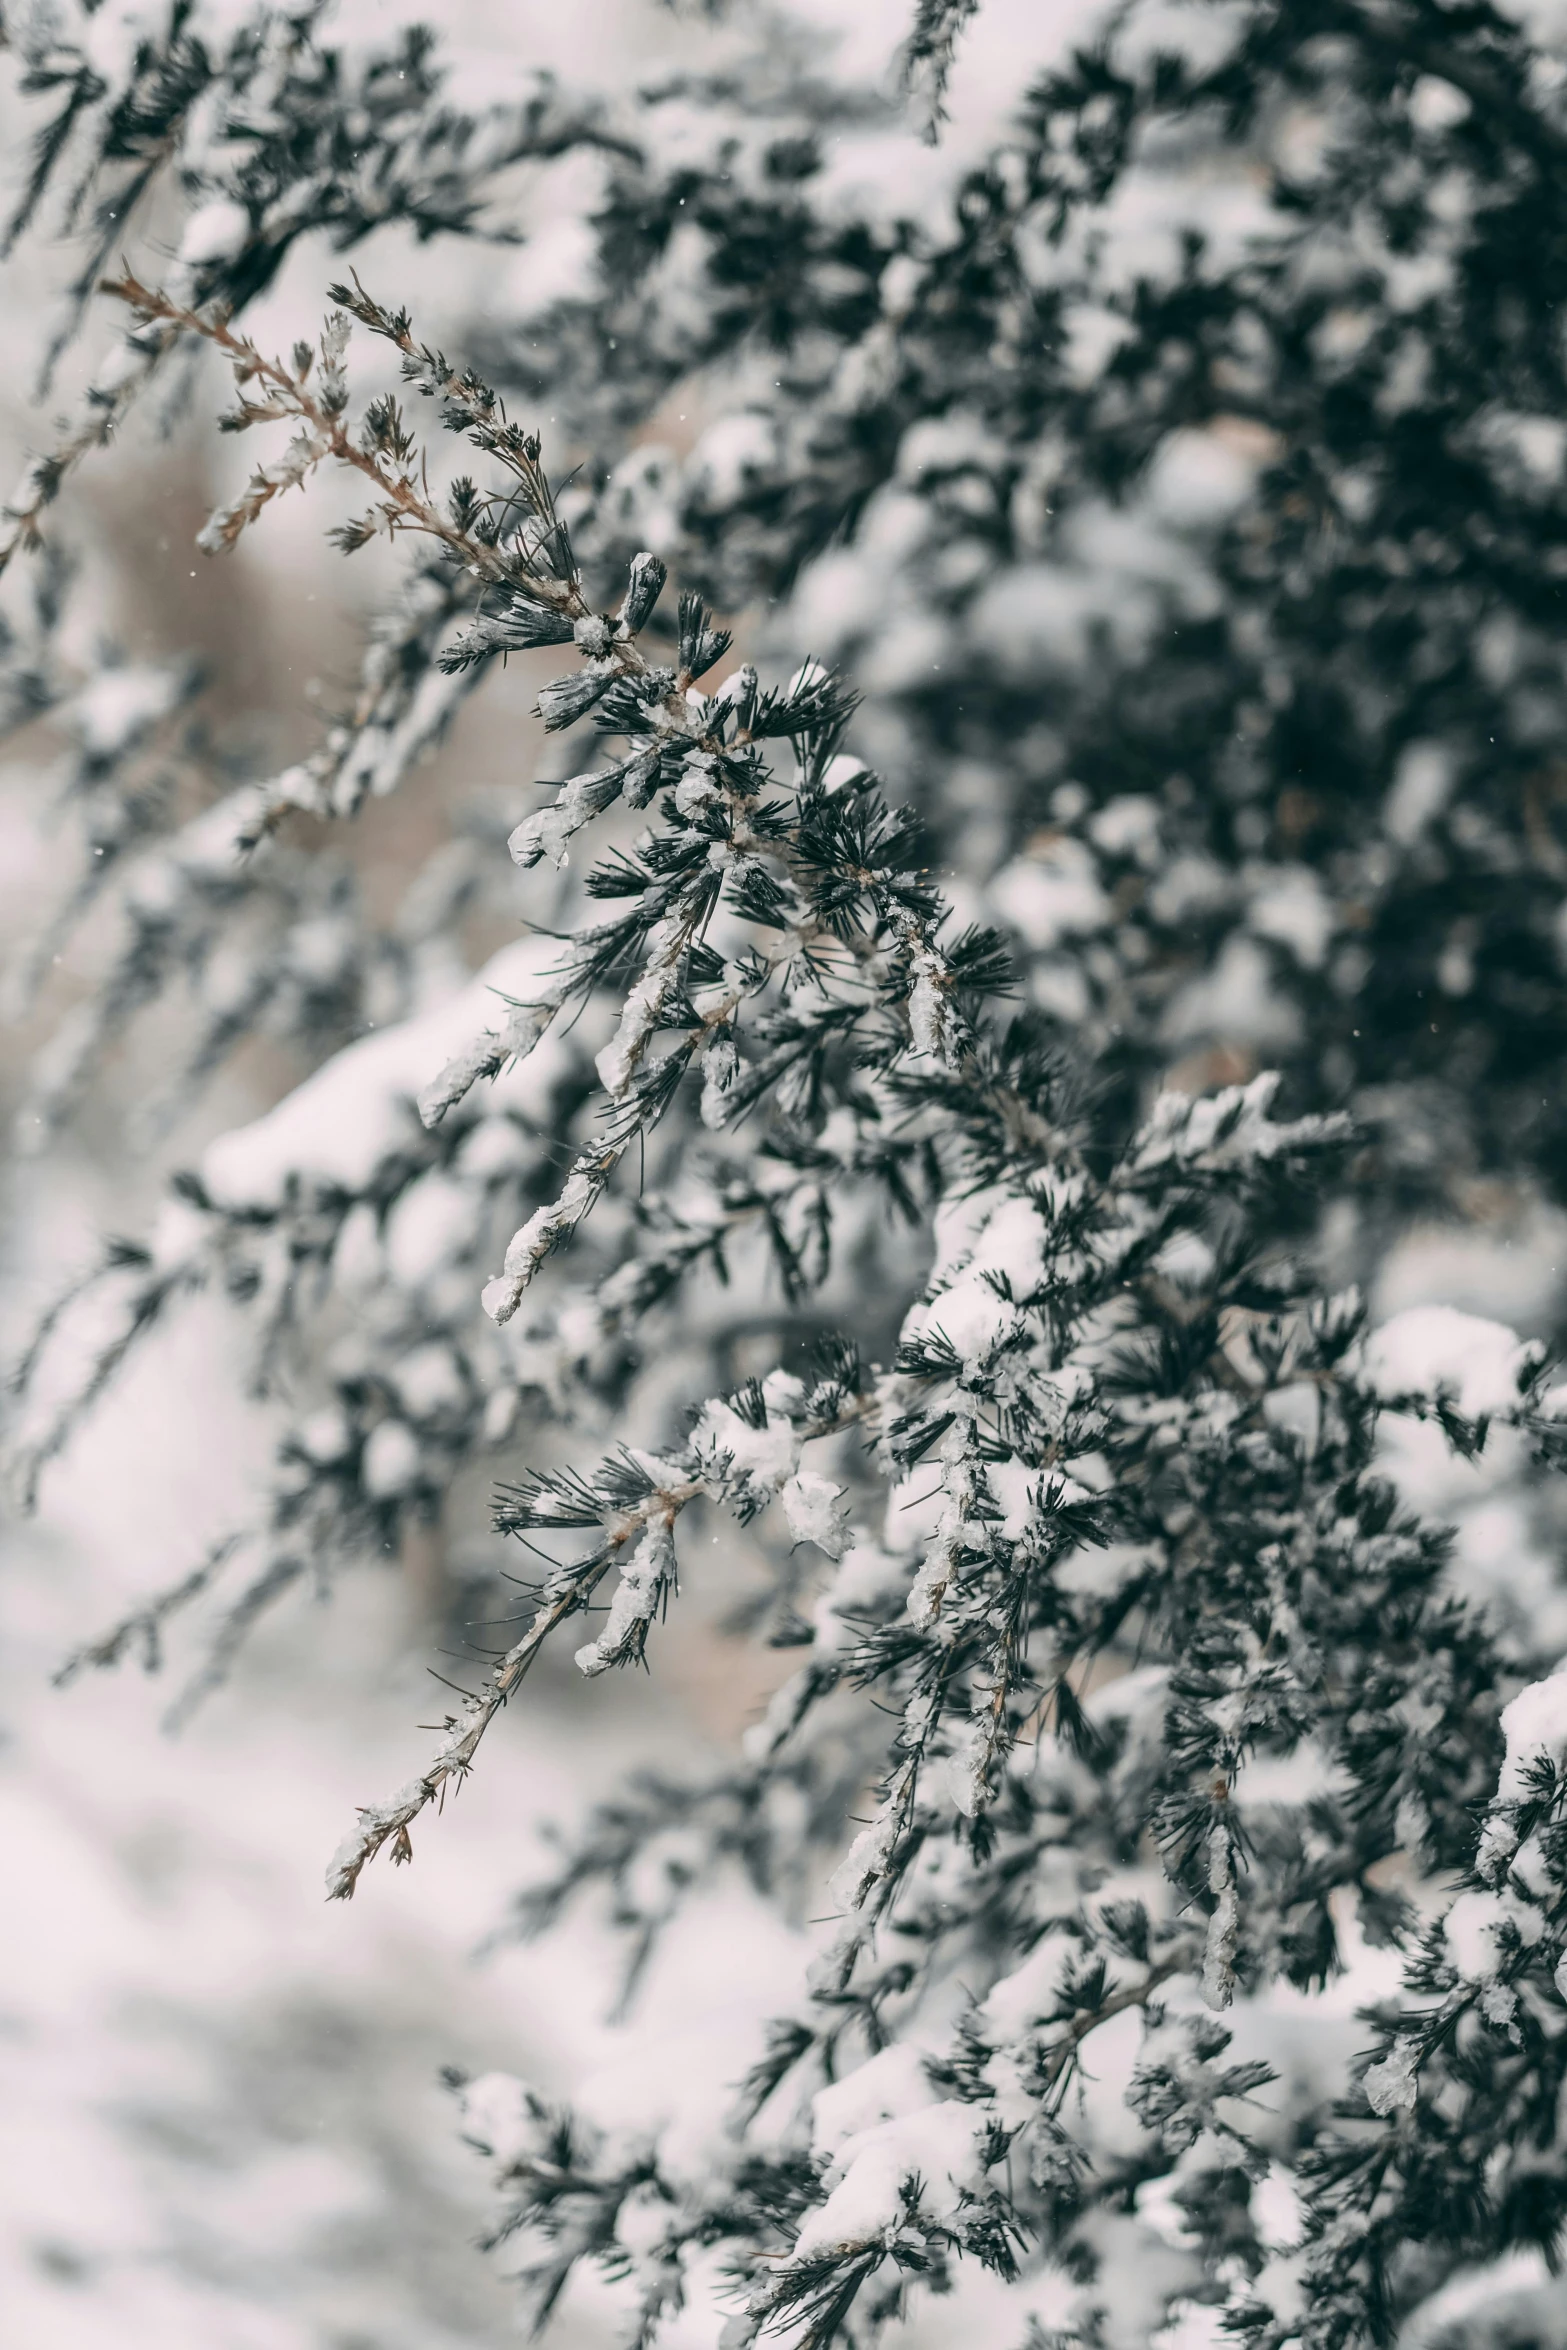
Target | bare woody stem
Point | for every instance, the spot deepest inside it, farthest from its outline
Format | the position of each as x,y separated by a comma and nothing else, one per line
389,1822
108,405
420,513
1058,2064
485,561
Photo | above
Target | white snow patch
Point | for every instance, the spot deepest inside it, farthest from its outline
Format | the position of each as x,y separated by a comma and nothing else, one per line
760,1456
121,704
995,1232
1487,2294
333,1132
1052,895
558,264
1429,1352
885,2088
1235,1001
497,2111
1292,907
1422,785
813,1507
1128,827
391,1460
428,1381
868,1577
427,1229
1030,1993
216,231
1534,1724
1198,480
642,1580
1391,2086
937,2144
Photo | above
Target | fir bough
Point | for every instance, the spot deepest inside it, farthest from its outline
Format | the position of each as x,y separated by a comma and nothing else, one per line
1195,589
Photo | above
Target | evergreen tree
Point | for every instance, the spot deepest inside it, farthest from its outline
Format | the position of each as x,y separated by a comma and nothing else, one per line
1177,492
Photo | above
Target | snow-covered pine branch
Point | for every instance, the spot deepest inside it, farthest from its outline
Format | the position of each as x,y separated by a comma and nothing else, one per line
1175,479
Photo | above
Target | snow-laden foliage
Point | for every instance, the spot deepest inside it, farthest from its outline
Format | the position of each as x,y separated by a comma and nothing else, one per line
960,1177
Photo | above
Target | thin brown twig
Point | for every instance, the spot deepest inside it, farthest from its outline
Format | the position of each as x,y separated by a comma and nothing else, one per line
380,1824
421,515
